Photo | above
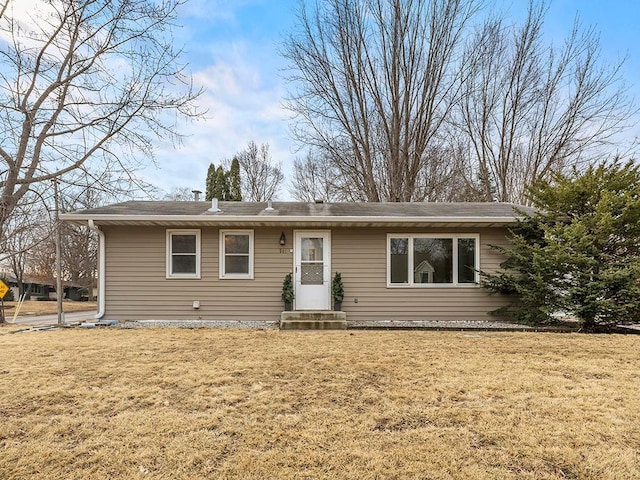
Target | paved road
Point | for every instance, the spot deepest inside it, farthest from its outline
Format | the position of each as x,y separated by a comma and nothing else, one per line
71,317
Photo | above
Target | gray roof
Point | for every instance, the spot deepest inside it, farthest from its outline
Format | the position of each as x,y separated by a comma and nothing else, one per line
256,213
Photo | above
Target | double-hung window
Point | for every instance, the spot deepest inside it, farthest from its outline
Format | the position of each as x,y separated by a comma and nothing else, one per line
432,259
236,254
183,253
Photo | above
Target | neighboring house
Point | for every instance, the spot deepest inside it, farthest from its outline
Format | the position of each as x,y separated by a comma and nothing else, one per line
227,260
34,286
41,288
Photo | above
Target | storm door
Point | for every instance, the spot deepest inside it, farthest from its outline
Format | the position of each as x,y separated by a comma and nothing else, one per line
312,270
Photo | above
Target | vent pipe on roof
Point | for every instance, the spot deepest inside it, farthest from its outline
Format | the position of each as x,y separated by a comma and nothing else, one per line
196,195
269,206
214,205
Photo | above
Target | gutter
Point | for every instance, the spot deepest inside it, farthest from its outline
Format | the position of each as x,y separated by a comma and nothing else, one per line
101,267
276,219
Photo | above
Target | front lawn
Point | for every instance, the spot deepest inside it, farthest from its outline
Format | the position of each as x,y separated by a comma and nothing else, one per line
185,404
36,307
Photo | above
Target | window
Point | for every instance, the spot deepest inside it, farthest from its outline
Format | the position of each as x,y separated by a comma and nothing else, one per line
236,254
426,260
183,253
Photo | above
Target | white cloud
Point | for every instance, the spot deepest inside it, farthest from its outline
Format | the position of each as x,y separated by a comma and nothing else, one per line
243,104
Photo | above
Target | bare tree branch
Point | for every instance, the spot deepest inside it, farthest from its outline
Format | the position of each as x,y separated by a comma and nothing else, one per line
261,177
375,81
315,177
405,96
85,80
528,109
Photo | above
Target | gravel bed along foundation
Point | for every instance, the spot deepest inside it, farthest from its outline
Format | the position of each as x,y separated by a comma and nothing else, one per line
440,325
381,324
200,324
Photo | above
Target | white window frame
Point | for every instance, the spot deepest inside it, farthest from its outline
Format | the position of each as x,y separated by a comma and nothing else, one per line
221,263
454,237
169,254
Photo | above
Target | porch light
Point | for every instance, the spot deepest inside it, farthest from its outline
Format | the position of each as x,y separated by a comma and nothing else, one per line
283,239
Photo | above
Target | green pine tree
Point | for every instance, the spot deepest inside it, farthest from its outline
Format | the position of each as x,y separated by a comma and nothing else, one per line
211,177
580,253
235,190
220,185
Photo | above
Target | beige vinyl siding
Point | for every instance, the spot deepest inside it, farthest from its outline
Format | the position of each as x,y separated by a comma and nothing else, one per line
137,287
361,256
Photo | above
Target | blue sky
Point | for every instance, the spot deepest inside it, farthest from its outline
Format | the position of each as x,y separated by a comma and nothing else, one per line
232,50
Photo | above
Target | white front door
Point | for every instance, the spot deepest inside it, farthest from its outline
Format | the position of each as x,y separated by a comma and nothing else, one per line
312,270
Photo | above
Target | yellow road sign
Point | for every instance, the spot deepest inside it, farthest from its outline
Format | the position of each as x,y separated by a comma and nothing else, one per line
3,289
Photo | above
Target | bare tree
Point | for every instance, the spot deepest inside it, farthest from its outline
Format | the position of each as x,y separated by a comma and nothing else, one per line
41,261
179,194
79,253
375,81
79,246
29,246
85,80
29,227
261,176
443,178
412,101
315,177
528,109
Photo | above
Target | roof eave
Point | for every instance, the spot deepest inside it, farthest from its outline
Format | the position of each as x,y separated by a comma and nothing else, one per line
116,219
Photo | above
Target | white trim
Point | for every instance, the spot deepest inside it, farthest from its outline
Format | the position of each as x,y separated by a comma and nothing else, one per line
230,276
263,219
454,237
169,254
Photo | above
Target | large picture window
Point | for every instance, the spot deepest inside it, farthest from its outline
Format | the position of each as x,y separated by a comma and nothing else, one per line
183,253
236,254
423,260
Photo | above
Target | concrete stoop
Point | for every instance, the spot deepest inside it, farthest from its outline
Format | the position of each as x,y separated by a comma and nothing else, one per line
313,320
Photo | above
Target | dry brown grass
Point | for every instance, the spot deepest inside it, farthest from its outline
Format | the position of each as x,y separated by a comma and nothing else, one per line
186,404
34,307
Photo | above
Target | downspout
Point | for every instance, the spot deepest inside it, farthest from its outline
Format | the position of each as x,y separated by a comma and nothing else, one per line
101,267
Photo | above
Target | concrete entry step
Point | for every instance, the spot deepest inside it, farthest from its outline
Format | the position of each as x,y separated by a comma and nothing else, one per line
313,320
